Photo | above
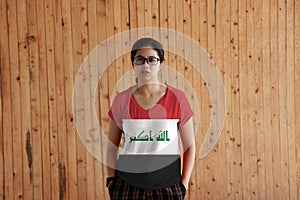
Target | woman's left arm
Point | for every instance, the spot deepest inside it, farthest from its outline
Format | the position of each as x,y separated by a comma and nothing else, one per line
188,143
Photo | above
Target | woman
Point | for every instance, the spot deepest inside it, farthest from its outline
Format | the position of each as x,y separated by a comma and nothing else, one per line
152,117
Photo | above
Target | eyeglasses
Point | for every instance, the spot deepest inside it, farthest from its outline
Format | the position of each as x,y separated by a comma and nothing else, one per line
141,60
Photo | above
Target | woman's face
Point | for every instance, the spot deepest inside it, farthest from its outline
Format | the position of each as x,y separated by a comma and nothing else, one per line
146,65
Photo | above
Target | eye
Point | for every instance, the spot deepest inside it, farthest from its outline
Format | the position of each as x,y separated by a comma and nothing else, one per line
153,60
139,60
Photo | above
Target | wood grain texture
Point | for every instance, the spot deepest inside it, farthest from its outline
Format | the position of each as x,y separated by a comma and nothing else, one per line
255,45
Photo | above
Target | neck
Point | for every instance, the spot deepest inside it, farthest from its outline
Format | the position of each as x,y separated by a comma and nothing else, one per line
149,88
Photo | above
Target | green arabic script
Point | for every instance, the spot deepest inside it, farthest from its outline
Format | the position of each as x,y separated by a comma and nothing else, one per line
163,136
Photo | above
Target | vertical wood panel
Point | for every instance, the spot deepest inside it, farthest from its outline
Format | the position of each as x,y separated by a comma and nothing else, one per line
204,104
266,87
228,126
103,96
291,132
237,59
76,182
219,49
82,154
92,42
51,79
297,89
23,39
6,104
35,100
195,186
242,92
275,99
68,169
44,111
3,62
249,133
282,90
15,101
258,92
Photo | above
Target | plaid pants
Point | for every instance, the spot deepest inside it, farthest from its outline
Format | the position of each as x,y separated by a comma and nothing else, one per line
121,190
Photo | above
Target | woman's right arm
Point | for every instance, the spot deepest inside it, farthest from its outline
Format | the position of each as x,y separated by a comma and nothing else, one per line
114,138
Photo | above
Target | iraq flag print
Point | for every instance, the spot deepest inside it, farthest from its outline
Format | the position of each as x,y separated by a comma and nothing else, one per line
149,145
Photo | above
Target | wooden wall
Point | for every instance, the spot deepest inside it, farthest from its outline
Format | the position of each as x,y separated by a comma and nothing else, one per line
255,44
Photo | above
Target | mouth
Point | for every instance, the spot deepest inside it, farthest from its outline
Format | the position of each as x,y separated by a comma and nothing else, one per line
145,72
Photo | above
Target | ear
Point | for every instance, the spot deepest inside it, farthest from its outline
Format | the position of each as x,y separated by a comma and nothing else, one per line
161,65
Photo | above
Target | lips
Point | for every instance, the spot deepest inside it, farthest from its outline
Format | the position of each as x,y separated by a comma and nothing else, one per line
146,72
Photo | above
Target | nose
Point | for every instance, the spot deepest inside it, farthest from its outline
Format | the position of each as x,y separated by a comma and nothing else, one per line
146,65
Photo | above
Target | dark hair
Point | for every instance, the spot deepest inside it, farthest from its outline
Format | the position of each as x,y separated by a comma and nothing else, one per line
148,42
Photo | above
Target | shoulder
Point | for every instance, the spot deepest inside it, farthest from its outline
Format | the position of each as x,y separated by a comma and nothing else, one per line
177,92
123,95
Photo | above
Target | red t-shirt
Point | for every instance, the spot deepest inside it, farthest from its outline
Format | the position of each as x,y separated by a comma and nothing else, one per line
173,105
150,161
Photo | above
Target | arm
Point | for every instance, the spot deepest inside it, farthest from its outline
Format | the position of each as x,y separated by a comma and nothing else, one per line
188,143
114,137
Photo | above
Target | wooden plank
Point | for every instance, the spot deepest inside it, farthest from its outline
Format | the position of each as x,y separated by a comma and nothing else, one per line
228,126
243,91
125,25
266,83
91,38
51,79
4,60
61,104
133,24
196,84
297,88
103,99
155,15
119,69
77,182
98,167
92,42
15,101
71,172
35,100
237,50
111,53
249,137
282,88
6,118
258,93
148,17
44,112
291,132
163,38
25,102
172,41
140,12
219,60
201,178
212,159
2,185
179,42
188,68
82,153
187,30
133,14
275,99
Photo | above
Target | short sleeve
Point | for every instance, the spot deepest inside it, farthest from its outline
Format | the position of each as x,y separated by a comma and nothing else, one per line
186,111
119,107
